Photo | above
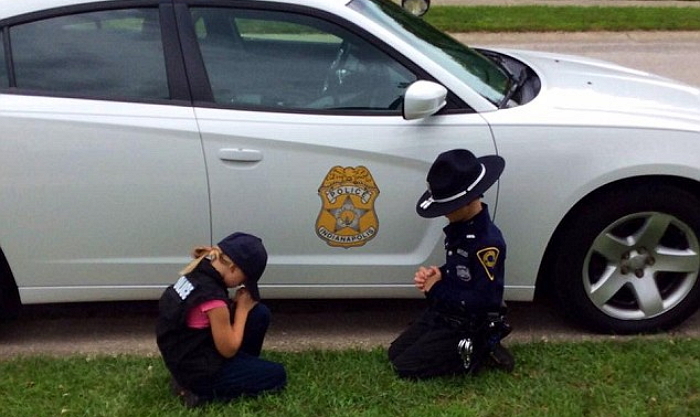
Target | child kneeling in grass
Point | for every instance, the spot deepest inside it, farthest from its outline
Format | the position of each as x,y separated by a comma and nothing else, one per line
210,343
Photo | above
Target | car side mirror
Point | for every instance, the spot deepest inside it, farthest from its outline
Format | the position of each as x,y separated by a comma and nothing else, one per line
416,7
423,99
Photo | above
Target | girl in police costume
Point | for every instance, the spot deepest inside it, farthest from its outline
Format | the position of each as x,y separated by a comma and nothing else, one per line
210,343
470,283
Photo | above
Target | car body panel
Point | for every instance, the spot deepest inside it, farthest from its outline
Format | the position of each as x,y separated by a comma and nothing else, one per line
586,105
93,191
301,153
609,94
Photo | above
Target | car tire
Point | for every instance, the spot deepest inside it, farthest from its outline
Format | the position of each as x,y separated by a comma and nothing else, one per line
628,260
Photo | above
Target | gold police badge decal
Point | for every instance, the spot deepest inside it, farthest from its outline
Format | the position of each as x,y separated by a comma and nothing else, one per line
347,216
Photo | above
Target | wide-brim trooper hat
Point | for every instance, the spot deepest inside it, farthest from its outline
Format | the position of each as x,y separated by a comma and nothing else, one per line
456,178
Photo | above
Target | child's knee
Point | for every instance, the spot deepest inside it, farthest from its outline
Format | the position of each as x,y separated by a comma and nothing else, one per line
260,315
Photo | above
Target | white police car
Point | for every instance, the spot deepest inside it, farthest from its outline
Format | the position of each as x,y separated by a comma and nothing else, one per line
132,131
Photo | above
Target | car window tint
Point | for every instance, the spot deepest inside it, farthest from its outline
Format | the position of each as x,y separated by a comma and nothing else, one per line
4,81
112,54
283,60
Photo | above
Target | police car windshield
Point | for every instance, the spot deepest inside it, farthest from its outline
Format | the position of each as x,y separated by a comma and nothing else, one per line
483,75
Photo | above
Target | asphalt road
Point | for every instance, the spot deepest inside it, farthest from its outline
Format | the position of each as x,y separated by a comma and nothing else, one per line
111,328
128,327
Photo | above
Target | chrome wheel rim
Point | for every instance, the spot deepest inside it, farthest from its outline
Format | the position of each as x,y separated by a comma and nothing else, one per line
641,266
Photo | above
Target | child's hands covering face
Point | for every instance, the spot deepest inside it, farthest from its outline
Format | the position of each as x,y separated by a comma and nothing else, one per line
243,299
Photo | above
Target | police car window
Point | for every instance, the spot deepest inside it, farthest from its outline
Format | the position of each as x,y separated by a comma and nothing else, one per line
4,81
288,61
110,54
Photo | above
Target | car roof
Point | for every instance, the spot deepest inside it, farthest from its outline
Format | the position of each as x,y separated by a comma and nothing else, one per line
10,8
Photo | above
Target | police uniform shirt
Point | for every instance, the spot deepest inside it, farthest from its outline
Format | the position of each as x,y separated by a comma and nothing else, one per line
473,274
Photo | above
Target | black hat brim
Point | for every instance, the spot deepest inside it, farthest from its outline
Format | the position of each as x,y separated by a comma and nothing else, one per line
494,165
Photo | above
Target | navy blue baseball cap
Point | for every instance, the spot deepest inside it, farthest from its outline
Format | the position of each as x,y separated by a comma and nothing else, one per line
249,254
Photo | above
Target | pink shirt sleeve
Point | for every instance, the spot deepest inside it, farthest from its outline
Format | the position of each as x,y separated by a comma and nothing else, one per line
197,316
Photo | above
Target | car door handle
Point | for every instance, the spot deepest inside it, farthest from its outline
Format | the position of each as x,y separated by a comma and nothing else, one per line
240,155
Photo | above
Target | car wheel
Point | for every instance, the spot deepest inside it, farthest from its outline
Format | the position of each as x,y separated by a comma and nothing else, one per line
629,260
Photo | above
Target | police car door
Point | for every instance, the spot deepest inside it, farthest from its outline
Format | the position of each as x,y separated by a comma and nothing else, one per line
306,147
103,183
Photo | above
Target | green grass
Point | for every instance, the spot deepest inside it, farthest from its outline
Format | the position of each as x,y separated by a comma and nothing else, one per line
639,377
538,18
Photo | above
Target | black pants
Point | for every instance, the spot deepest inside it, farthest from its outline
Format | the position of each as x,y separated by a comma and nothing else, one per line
246,374
428,348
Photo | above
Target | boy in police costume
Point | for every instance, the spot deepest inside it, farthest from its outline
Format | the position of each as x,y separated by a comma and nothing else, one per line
463,324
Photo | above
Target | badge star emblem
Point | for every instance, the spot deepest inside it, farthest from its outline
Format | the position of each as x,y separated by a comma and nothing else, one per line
348,215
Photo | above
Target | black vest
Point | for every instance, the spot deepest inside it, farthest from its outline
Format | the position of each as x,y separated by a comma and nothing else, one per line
190,354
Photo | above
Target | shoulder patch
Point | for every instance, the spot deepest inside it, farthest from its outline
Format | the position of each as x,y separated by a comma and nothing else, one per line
488,257
183,287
